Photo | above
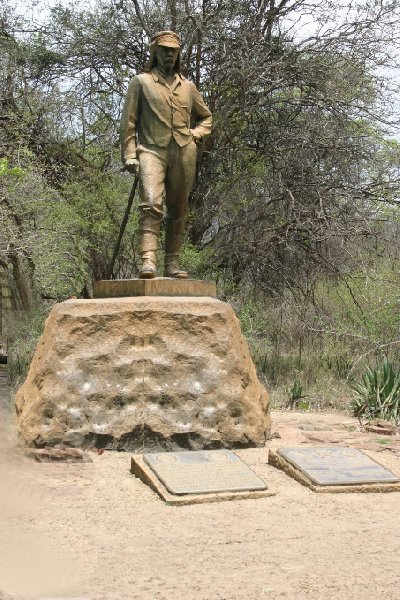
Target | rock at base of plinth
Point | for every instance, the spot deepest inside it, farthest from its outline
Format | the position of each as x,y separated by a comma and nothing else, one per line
143,374
159,286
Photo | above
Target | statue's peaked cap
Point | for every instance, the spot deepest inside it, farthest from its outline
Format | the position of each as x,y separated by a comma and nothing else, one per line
166,38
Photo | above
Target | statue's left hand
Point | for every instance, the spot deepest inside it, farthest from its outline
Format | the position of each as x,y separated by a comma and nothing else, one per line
195,136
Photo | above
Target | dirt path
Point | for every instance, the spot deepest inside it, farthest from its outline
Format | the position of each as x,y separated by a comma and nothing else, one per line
94,532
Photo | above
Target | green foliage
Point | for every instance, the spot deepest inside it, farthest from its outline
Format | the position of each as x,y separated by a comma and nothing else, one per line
40,226
39,55
296,393
378,394
23,341
199,262
375,287
255,325
96,210
303,406
66,233
384,441
5,169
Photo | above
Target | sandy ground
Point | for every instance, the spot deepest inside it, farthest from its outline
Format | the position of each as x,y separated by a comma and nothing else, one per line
94,532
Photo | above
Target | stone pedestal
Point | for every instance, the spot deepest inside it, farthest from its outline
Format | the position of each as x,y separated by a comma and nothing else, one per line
143,373
159,286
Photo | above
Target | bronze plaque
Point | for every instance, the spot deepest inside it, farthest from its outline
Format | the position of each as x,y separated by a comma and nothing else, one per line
203,472
337,466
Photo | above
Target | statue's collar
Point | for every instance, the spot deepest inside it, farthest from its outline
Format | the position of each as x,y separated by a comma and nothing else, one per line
158,77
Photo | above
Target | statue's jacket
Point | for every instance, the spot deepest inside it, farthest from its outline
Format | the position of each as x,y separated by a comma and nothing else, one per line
154,112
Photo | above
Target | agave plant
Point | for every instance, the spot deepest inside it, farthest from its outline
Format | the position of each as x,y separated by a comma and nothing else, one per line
295,394
378,394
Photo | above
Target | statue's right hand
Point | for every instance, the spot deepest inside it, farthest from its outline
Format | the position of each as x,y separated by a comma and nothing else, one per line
132,165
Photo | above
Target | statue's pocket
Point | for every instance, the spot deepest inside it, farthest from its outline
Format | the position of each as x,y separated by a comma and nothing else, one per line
186,114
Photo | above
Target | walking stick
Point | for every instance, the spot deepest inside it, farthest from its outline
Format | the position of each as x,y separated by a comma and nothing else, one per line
122,228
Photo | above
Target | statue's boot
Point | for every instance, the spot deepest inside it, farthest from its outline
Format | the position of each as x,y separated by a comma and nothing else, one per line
174,231
149,229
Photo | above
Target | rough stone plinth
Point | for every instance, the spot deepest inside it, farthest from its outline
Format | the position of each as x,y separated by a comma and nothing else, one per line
143,374
160,286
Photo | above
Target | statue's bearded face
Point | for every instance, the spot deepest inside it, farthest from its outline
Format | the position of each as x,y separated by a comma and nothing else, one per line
166,57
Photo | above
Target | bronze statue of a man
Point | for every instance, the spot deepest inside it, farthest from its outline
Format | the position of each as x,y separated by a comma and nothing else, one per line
158,144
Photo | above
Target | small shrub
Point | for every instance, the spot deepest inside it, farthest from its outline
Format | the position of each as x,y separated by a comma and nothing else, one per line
295,394
304,406
384,441
378,394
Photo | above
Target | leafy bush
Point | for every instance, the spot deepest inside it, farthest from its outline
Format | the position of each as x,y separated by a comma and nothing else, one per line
378,394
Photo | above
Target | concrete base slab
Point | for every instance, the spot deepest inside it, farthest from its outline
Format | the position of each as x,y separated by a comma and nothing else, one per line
280,462
141,470
159,286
